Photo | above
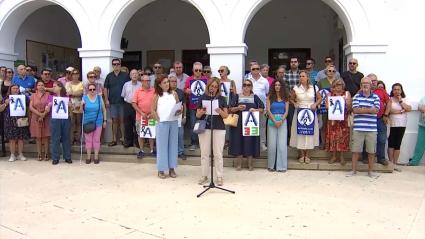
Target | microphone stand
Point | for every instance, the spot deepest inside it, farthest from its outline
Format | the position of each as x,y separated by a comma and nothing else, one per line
212,185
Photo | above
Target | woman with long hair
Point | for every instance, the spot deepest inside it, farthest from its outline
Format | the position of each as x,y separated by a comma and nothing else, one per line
277,111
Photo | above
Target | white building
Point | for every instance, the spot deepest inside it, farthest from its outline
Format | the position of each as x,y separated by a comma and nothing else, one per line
387,37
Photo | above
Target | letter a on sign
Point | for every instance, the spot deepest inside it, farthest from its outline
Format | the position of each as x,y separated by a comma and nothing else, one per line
148,128
60,108
337,108
250,123
17,105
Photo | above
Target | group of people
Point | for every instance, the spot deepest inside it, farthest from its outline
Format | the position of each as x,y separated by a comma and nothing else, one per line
292,108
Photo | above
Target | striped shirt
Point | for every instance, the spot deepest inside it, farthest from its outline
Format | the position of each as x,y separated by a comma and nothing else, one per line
365,122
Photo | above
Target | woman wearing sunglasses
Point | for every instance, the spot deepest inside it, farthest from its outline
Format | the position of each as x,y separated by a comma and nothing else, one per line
94,110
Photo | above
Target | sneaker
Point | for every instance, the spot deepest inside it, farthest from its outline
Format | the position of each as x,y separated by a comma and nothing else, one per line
192,147
21,157
68,160
140,154
372,175
351,174
54,162
263,147
203,180
12,158
153,152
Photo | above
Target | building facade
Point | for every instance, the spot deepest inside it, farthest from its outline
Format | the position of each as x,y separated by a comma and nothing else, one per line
387,37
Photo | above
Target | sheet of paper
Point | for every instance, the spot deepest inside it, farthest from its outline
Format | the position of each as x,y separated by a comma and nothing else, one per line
207,105
174,110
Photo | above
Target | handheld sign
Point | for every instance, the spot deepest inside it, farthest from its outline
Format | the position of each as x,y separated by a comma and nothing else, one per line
60,107
17,105
225,91
305,122
250,123
336,108
322,107
197,88
148,128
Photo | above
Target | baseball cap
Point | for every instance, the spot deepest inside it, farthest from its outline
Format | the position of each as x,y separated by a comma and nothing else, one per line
69,68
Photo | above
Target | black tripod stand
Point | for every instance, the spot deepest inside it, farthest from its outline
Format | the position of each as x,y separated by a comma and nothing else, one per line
212,185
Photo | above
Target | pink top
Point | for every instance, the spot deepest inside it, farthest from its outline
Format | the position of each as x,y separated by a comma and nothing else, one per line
143,99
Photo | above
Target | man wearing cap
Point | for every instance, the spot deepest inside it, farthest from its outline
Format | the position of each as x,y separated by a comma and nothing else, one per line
67,77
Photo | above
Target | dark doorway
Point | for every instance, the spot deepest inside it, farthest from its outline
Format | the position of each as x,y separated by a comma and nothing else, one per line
191,56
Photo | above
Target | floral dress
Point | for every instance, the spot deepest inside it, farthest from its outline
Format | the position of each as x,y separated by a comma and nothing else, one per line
338,133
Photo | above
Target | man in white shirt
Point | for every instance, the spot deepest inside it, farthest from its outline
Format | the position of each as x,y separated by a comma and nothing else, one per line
261,89
128,90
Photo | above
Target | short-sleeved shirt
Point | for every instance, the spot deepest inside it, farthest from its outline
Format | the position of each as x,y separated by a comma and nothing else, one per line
129,89
365,122
260,88
63,80
292,78
383,100
218,122
143,99
313,75
322,75
352,81
114,84
27,82
398,120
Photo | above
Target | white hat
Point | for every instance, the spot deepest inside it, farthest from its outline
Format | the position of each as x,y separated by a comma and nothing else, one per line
70,68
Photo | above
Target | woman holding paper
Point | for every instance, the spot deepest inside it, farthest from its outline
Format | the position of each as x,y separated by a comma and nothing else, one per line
12,131
212,92
305,96
244,146
337,131
277,110
40,120
164,100
93,110
60,128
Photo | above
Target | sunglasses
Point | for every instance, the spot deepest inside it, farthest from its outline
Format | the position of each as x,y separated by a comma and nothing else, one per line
157,67
9,72
197,70
280,72
28,69
246,85
116,64
327,61
352,63
255,69
92,89
294,61
332,71
207,72
309,63
91,77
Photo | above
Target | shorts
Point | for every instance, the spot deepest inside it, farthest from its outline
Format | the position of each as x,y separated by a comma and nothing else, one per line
396,136
360,137
116,110
138,123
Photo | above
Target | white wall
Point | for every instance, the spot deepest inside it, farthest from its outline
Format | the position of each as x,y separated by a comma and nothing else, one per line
51,24
166,25
293,24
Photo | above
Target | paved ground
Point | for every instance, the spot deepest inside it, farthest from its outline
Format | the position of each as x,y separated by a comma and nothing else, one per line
126,200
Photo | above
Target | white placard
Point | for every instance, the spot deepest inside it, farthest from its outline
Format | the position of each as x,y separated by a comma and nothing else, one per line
148,128
336,108
225,90
250,123
60,107
207,105
17,105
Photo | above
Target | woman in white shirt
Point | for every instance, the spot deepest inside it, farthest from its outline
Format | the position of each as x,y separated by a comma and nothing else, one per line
167,129
397,109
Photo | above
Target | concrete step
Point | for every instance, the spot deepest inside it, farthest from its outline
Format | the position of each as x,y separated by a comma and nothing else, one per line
319,159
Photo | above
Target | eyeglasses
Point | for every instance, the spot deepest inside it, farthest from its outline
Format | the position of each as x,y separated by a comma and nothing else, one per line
178,67
309,63
207,72
220,71
116,64
255,69
246,85
332,71
173,81
352,63
197,70
92,89
328,61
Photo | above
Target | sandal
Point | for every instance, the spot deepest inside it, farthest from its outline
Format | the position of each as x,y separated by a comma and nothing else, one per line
113,143
46,157
96,161
172,173
39,158
161,175
301,160
88,161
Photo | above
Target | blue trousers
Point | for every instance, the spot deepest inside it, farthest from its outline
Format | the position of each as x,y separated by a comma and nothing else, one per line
193,137
277,149
60,130
181,141
166,143
381,140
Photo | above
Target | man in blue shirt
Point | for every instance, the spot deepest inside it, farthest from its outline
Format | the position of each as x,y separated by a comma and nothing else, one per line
25,82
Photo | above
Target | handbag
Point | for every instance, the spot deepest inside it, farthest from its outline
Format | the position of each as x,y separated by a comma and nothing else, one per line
91,126
199,126
231,120
22,122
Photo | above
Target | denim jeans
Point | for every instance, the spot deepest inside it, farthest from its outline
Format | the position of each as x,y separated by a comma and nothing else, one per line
381,140
193,137
181,141
166,141
60,130
277,154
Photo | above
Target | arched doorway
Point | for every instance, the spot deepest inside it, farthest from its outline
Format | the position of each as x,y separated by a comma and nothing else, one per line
300,28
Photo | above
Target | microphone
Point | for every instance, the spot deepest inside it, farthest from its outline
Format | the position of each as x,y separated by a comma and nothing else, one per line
211,93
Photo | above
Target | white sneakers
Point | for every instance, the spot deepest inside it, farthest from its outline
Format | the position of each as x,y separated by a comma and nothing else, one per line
263,147
20,157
